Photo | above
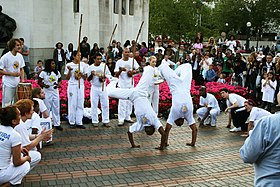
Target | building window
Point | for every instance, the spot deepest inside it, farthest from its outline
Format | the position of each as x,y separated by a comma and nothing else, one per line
123,7
76,6
131,7
116,6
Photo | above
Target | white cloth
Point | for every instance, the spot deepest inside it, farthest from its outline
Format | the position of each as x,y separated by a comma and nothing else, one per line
8,138
268,92
209,101
169,62
21,128
14,175
182,105
75,67
75,103
232,98
257,113
11,63
213,113
42,106
99,70
184,71
8,95
153,90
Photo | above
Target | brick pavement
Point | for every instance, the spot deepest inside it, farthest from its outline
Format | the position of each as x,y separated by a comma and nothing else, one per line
103,157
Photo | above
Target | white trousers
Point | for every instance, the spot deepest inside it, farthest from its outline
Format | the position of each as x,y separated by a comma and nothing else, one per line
154,98
8,95
123,94
13,174
53,105
213,113
96,94
75,104
35,158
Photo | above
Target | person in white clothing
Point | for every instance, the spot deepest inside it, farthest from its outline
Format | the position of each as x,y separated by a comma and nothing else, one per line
124,71
182,105
231,44
75,91
96,77
210,107
238,114
30,142
169,62
49,80
11,67
146,117
204,63
38,94
14,165
153,91
268,88
255,114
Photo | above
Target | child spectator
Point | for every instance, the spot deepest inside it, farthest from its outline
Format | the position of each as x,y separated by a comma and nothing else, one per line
210,74
269,87
221,79
38,69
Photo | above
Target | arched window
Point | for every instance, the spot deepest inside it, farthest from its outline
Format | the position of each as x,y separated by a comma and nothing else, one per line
131,7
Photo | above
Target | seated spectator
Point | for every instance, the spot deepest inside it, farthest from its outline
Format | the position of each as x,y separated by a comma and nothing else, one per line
30,142
38,69
222,79
14,165
255,114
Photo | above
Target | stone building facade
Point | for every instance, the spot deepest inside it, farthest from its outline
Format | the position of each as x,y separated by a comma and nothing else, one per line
42,23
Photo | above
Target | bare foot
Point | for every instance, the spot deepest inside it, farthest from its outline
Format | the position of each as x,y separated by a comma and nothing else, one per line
135,146
190,144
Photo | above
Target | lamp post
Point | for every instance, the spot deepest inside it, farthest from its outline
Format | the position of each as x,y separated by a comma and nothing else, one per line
226,28
248,24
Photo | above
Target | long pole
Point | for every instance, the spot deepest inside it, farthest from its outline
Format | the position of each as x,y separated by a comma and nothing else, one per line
134,48
104,71
78,51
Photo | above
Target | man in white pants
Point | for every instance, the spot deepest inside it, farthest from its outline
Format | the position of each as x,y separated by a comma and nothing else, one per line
124,71
182,105
96,77
146,117
11,67
210,108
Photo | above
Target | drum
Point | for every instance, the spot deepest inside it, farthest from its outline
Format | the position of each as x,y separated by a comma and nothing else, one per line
24,91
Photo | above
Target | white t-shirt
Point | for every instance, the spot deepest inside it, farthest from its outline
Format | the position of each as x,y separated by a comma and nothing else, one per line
75,67
184,71
98,70
42,105
11,63
232,98
169,62
34,123
145,115
50,80
8,138
124,80
268,92
210,101
21,128
257,113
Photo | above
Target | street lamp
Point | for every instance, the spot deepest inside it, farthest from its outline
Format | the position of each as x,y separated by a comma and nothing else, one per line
248,24
226,28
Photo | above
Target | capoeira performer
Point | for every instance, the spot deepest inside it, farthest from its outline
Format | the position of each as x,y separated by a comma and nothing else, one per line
75,94
153,91
96,77
49,80
210,108
124,72
146,117
182,105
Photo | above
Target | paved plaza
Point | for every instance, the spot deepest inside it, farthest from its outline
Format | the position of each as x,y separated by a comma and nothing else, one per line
103,157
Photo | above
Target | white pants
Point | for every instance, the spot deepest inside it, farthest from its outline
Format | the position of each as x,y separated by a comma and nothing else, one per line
96,94
35,158
154,98
75,104
125,105
13,174
213,113
8,95
53,105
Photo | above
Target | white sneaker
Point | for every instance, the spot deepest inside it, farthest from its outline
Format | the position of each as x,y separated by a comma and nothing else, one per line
213,125
235,129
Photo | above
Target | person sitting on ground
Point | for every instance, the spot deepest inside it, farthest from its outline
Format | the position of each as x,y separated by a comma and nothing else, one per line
238,114
15,160
30,142
255,114
38,94
210,108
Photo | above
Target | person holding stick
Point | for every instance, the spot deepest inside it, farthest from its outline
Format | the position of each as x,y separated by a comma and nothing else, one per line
124,71
96,78
74,92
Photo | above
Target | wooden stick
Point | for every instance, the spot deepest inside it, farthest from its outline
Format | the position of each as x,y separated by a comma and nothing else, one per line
104,71
135,49
78,51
